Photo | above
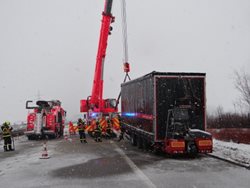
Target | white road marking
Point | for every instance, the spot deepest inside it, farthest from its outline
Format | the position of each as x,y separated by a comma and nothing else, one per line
135,169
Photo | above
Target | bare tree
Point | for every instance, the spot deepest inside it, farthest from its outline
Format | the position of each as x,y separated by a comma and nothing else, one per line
242,84
219,111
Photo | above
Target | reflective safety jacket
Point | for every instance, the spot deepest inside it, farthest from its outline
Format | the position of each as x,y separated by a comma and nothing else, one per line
81,127
98,128
108,127
6,131
109,122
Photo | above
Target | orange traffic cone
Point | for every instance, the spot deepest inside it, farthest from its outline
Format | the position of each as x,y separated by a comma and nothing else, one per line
45,154
66,137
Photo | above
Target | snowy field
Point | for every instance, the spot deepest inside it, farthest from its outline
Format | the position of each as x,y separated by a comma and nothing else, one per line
238,153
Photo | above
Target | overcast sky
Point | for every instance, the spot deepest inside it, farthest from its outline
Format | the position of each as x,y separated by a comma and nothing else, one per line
48,48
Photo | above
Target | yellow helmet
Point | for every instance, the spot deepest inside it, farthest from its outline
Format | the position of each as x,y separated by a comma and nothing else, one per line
6,123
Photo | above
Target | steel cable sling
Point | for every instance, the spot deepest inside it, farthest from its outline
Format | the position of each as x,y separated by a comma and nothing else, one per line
126,66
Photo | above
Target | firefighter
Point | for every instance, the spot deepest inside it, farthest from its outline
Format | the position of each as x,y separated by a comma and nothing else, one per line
98,132
119,118
121,136
6,129
109,132
81,129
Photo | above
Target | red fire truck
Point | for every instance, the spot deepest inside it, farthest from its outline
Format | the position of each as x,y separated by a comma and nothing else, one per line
45,120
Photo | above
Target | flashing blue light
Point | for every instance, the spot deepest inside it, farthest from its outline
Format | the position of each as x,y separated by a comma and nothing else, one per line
93,114
129,114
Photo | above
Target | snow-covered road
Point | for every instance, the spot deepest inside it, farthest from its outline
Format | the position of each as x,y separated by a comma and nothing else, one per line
116,164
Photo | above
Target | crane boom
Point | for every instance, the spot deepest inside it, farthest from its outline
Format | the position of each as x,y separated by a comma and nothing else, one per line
95,102
97,89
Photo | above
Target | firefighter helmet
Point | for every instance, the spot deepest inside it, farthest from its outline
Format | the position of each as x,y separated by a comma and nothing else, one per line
83,121
6,123
97,122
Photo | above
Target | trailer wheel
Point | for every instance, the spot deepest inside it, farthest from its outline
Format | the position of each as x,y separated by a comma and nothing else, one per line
56,134
191,148
140,143
157,149
133,140
145,145
61,131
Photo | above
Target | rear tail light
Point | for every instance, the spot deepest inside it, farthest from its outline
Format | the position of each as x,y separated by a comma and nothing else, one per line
177,144
203,143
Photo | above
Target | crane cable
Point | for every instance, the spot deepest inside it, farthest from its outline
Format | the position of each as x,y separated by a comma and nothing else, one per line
124,31
125,39
125,45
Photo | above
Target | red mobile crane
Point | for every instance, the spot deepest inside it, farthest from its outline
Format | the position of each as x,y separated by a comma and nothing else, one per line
95,103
